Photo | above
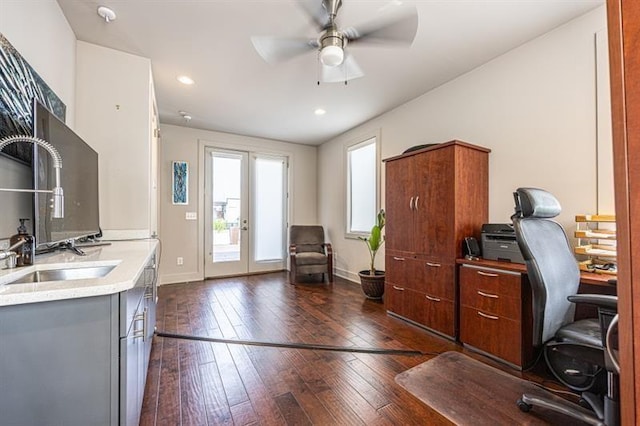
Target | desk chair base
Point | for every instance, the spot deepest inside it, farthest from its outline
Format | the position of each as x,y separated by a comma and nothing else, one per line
605,412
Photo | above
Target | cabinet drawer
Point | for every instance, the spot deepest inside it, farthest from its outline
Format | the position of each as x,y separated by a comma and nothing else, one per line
436,279
433,312
394,297
491,333
491,281
400,270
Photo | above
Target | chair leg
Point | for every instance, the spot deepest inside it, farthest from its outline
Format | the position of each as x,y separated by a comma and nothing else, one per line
526,402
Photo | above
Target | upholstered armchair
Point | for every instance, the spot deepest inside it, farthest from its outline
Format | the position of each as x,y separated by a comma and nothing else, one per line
308,252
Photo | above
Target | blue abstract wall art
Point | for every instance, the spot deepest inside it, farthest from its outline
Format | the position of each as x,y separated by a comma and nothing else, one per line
180,183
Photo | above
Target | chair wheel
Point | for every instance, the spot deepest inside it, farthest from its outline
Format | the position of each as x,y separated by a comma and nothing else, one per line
523,406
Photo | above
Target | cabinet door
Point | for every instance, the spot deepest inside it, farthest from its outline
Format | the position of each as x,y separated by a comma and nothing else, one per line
400,198
130,356
434,209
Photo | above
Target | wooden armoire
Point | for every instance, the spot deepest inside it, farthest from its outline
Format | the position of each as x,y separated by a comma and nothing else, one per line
435,197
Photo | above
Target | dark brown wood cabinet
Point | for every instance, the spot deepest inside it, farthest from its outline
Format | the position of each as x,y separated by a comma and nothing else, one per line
434,198
495,313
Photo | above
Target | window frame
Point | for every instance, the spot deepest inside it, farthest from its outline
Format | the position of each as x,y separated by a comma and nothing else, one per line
364,140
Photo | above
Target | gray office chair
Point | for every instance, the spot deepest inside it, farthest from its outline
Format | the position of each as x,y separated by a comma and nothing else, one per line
574,351
308,252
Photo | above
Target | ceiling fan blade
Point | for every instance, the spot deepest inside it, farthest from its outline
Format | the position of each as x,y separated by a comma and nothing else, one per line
347,70
278,49
316,11
400,27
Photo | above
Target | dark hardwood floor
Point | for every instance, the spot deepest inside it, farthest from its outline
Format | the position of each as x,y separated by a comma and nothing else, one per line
203,383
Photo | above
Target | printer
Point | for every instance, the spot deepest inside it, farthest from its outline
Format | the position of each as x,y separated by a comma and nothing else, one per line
498,241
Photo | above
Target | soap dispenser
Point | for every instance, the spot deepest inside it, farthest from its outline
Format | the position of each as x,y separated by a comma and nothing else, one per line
26,251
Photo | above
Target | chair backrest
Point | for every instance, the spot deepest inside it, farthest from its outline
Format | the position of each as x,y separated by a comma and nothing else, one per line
551,266
307,238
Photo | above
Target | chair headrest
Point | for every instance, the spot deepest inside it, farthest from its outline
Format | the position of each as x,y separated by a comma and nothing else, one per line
534,202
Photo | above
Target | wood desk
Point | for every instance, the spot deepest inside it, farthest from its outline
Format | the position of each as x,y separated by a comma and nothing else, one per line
496,309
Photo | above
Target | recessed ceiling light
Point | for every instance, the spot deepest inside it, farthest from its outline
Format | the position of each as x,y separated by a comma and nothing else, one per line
107,14
319,111
185,79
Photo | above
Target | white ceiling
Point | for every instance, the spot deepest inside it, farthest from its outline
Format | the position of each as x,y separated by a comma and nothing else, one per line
237,92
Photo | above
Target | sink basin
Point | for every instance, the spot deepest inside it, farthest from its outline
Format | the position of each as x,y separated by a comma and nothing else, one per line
78,273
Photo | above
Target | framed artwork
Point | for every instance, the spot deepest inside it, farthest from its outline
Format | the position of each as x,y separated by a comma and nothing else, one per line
180,182
19,84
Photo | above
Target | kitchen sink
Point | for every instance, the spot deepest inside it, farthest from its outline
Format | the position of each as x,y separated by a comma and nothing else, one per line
77,273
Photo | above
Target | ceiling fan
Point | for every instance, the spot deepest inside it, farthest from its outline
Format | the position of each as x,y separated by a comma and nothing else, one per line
398,26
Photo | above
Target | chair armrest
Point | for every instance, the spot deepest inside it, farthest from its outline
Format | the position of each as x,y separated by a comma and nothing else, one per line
600,300
327,246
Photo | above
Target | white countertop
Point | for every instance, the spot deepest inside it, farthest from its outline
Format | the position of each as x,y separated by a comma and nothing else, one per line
129,258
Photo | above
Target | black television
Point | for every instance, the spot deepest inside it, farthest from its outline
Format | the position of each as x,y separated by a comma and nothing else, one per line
79,181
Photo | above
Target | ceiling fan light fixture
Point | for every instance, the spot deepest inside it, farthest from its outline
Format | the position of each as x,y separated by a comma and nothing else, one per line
332,56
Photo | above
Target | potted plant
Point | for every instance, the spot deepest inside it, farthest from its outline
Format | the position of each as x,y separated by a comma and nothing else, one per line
371,280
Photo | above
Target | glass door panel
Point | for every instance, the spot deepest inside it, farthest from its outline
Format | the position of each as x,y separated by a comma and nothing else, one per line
226,186
269,213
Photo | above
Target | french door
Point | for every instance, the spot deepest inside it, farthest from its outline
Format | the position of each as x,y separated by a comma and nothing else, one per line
246,212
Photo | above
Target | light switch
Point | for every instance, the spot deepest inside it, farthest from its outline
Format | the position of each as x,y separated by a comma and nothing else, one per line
191,216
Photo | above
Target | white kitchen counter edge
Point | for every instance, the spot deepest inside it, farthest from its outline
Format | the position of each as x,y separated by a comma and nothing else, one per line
130,258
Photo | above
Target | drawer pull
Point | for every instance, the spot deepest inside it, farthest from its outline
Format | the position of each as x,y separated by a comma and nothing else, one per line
399,259
433,299
491,317
492,296
398,288
434,265
487,274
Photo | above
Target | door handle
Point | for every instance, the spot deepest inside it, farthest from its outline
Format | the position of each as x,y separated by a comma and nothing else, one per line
411,204
416,203
245,228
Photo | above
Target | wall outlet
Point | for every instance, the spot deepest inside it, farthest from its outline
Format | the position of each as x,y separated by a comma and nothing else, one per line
190,216
180,261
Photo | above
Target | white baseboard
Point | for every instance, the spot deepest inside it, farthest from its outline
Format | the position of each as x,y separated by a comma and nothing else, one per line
179,278
347,275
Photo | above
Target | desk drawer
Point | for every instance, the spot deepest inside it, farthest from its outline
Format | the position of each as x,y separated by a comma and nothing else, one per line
496,335
491,281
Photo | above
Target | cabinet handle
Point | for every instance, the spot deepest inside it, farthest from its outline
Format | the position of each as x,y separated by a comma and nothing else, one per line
411,204
433,299
491,317
141,333
483,294
148,293
416,203
487,274
434,265
398,288
399,259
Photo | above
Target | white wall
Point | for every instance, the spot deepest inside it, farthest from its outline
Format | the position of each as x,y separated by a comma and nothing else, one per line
114,101
534,107
182,238
40,33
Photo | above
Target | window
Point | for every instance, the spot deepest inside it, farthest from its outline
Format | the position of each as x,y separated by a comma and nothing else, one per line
362,187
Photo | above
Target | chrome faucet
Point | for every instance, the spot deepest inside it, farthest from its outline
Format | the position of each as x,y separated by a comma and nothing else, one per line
10,255
58,196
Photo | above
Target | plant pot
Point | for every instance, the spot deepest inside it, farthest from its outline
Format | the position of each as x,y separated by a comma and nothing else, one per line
372,285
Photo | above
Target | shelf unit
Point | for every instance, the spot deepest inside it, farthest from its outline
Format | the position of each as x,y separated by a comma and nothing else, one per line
596,235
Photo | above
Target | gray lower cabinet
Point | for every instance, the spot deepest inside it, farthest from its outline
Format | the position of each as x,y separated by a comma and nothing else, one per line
77,361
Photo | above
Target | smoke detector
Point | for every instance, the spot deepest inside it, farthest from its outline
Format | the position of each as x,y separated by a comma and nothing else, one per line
107,14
